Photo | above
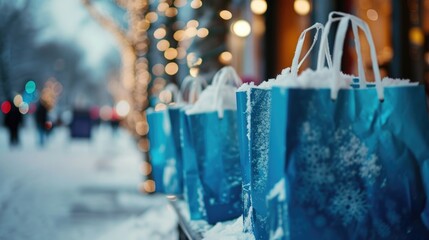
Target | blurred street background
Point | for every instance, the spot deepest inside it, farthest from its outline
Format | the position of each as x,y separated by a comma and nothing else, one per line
76,77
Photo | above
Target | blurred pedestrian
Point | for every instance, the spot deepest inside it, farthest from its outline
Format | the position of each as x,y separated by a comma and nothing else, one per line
41,121
12,122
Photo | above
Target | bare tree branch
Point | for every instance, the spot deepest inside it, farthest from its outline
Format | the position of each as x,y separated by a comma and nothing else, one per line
108,23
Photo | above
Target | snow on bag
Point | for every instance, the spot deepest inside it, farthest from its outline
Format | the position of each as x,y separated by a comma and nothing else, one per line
212,127
253,114
352,167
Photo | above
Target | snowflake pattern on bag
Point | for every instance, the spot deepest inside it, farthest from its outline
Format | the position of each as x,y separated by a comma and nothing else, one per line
326,158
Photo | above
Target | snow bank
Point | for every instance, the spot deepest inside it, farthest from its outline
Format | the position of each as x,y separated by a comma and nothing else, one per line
231,230
158,223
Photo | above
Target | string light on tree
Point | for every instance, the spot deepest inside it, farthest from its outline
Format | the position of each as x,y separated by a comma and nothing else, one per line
195,4
202,32
225,14
171,68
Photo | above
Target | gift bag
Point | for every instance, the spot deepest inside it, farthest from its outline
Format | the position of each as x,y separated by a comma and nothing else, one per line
192,185
253,109
212,126
165,150
353,167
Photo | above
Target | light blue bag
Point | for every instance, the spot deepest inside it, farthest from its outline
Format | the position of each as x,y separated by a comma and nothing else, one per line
353,167
165,150
214,140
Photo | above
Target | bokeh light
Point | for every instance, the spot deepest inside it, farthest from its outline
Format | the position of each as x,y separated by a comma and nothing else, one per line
30,87
171,68
258,6
17,100
6,107
225,14
241,28
302,7
122,108
24,107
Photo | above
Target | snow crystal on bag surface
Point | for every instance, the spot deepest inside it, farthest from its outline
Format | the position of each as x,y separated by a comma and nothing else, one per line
205,102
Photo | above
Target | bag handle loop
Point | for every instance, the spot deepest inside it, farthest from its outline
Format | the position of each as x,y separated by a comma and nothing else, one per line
226,75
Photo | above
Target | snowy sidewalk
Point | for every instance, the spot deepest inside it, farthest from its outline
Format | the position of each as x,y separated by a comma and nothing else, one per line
78,189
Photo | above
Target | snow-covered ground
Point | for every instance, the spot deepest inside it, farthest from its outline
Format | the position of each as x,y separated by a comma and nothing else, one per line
78,189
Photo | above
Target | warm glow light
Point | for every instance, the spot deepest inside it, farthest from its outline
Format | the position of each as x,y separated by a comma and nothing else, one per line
194,72
191,32
195,4
23,108
225,14
171,68
302,7
122,108
170,53
203,32
17,100
192,23
427,57
181,53
179,35
258,6
142,128
163,6
144,144
152,17
160,107
146,168
372,15
225,57
149,186
416,36
163,45
171,12
179,3
241,28
158,69
159,33
165,96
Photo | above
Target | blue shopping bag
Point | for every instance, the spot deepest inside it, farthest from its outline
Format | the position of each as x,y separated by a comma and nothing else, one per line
165,151
215,142
212,126
193,191
352,167
254,113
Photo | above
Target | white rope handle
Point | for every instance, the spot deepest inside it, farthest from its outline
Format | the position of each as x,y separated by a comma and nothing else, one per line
226,75
177,96
295,64
338,50
195,85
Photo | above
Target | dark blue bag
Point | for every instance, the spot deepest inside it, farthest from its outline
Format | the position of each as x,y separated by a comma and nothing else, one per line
254,114
353,168
193,190
214,140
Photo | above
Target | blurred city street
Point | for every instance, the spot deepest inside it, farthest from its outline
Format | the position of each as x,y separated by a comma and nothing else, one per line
77,189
